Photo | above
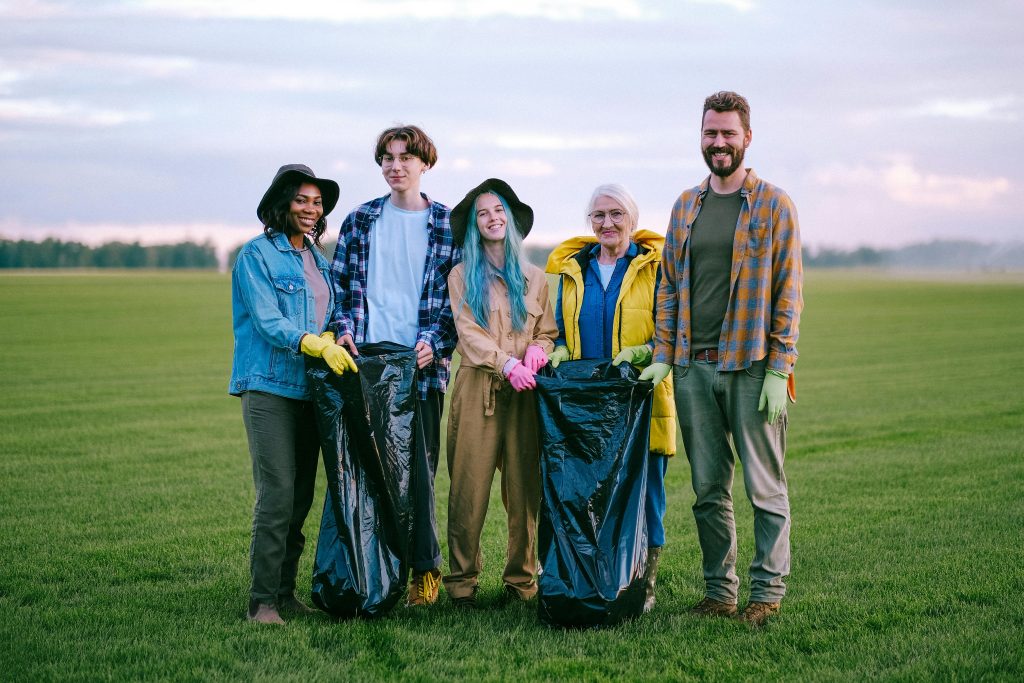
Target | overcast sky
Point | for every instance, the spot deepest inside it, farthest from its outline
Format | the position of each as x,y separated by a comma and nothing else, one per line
888,122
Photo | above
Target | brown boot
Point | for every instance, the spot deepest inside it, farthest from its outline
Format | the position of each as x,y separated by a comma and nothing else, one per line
289,604
423,588
650,576
756,614
263,613
709,607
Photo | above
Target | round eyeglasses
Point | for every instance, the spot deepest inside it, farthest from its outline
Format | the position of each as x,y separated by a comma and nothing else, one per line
617,216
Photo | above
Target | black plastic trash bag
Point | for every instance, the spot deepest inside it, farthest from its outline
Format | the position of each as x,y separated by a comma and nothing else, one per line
594,429
367,423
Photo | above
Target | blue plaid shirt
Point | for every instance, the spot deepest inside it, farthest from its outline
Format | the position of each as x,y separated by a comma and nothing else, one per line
436,324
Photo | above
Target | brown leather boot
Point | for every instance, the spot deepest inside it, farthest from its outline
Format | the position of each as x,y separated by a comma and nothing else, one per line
264,613
289,604
757,613
709,607
650,576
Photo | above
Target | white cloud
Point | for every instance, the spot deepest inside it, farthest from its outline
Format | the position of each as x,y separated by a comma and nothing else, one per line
31,9
354,11
975,110
997,109
527,167
48,60
904,183
66,114
558,143
9,77
738,5
278,80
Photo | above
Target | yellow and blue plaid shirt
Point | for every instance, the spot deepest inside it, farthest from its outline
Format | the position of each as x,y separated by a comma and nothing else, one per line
765,287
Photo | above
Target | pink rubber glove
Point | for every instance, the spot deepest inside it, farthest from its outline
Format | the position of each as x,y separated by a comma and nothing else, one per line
535,358
521,378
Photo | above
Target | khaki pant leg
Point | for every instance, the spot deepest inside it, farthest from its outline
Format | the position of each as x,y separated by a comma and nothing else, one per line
473,443
520,488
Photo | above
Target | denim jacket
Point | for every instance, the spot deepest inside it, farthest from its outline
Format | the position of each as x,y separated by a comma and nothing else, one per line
272,308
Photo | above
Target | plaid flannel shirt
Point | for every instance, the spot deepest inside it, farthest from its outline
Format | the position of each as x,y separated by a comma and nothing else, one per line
765,288
436,324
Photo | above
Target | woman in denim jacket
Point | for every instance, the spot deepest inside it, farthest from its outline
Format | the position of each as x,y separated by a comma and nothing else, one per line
281,300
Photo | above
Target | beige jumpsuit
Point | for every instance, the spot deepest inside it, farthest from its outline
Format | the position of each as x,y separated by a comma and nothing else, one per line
492,427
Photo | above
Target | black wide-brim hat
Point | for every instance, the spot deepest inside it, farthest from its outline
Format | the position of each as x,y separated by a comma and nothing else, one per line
521,213
300,173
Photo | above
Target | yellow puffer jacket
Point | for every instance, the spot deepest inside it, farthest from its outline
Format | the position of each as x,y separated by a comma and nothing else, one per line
634,317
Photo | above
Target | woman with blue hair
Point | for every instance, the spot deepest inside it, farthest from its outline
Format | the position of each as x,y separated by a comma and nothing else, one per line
506,328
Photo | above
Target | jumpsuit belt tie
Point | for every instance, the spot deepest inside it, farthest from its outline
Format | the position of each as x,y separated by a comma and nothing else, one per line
490,392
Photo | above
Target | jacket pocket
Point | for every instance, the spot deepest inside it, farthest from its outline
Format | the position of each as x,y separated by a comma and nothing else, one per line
291,297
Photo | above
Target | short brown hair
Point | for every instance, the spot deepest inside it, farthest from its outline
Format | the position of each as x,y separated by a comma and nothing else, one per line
727,100
416,142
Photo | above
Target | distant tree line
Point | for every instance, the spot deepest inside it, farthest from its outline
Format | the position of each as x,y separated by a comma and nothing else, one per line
52,253
938,254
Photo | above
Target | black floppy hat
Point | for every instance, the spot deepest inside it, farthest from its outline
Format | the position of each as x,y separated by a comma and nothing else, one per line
301,173
521,213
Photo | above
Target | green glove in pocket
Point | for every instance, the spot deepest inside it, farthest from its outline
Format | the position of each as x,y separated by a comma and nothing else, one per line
773,395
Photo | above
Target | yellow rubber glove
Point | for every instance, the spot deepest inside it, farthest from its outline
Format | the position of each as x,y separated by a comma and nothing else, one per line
637,355
328,336
656,372
773,395
337,357
558,355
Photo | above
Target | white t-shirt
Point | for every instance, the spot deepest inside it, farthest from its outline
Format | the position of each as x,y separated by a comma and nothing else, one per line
398,255
606,272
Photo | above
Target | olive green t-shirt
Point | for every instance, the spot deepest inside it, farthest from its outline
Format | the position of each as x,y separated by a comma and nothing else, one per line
711,266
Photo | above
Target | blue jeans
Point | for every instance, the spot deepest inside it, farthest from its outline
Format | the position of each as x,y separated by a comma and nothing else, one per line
654,502
717,409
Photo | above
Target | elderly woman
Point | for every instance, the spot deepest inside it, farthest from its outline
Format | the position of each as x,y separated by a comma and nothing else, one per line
605,309
281,300
506,327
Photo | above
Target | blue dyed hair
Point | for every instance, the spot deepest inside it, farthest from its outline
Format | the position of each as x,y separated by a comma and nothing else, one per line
478,291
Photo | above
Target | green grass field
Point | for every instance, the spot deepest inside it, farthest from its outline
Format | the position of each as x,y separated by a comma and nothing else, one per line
125,500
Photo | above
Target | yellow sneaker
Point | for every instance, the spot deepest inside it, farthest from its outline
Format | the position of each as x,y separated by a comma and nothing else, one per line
424,587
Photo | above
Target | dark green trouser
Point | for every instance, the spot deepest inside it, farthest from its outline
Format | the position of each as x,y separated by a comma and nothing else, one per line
284,446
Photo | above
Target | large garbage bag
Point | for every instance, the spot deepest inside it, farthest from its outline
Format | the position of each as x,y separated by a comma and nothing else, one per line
595,429
368,425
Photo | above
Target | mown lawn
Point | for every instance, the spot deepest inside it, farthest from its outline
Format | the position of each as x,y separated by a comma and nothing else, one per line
125,499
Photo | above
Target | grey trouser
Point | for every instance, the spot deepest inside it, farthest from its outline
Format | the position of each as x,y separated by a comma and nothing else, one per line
715,408
284,446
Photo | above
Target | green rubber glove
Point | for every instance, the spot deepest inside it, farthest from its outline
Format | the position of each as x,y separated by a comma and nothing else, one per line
656,372
337,357
773,395
637,355
559,354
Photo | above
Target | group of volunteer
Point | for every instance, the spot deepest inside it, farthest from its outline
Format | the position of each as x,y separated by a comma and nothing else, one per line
709,314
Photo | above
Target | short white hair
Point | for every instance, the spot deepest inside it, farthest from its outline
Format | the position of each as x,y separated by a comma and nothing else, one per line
620,195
